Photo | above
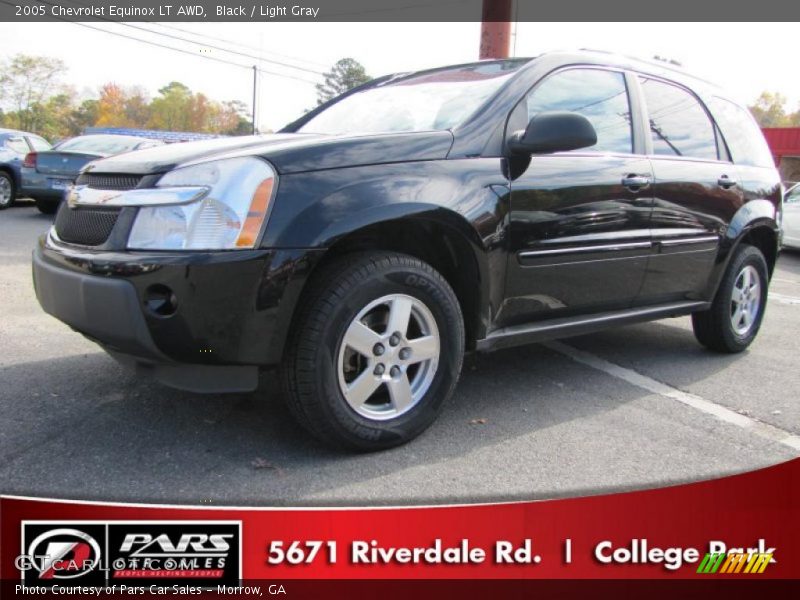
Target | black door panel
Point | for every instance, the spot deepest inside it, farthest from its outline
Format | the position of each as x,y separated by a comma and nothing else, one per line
690,215
579,237
696,193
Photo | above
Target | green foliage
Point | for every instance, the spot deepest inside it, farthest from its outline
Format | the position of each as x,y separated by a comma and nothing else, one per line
769,110
346,74
33,99
26,83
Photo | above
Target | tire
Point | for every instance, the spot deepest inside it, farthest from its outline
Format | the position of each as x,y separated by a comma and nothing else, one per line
8,191
715,328
47,207
353,301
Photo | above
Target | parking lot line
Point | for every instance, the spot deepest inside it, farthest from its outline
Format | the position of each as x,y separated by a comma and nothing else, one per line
764,430
783,299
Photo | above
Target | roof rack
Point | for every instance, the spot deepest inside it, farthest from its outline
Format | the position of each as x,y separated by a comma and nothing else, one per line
664,65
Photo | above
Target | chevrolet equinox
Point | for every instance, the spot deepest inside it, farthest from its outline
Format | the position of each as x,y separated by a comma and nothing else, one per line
368,245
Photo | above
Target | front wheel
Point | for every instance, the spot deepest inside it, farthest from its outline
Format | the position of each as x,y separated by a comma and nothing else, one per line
375,350
733,321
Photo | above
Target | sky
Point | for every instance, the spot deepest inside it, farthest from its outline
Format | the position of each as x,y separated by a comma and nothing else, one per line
720,52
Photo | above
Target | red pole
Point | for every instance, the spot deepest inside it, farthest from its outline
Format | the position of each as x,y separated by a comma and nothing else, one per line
495,29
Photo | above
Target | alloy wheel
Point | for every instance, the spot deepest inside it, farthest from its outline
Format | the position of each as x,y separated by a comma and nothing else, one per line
745,300
388,357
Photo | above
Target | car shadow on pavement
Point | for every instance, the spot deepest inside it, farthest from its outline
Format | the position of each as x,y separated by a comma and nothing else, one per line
789,260
83,427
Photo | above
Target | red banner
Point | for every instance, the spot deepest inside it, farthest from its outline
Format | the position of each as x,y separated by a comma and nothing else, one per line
743,528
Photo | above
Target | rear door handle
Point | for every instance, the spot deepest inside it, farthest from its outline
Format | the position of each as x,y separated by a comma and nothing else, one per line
725,182
636,182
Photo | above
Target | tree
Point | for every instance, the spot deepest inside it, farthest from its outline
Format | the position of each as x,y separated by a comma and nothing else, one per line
85,115
137,107
345,75
111,107
32,99
178,109
769,110
25,84
229,118
235,118
57,112
171,110
201,113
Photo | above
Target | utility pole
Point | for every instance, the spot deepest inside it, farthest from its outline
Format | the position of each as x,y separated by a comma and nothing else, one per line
255,92
495,29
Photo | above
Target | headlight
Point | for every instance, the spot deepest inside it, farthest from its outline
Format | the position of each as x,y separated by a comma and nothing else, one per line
230,214
216,205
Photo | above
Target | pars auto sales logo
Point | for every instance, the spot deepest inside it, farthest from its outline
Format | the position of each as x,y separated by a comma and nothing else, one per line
141,553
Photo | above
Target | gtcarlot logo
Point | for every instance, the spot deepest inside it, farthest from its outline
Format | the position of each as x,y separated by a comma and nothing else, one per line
140,553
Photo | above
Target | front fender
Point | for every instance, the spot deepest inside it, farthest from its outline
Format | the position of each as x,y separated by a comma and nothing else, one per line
317,209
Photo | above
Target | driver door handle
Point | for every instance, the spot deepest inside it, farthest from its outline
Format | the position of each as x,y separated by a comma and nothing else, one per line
636,182
725,182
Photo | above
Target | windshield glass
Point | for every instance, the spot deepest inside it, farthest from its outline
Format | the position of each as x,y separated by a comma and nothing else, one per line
436,100
100,144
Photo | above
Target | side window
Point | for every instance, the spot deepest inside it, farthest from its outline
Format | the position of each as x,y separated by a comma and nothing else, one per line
39,144
744,137
679,125
18,145
600,96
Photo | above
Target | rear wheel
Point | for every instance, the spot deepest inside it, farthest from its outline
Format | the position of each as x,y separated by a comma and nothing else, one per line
733,321
47,207
7,190
376,349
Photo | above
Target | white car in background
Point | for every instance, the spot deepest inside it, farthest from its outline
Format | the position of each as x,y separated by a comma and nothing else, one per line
791,217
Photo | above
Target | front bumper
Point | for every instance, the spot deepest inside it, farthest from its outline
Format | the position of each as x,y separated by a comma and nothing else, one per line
230,316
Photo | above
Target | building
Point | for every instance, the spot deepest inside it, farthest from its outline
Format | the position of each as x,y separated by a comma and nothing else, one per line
784,142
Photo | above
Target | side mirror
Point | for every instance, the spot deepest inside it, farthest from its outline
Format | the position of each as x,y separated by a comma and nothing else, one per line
556,131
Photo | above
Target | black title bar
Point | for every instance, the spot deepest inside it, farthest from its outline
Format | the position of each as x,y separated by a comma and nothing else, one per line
710,11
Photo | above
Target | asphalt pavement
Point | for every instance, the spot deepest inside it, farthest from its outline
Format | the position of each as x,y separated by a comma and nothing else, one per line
635,407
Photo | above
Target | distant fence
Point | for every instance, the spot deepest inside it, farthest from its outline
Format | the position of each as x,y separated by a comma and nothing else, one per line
165,136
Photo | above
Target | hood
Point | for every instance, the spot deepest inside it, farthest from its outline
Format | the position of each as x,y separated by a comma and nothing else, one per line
288,152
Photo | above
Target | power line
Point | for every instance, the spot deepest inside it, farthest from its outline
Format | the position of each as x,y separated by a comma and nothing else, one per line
181,50
189,52
224,40
244,54
239,44
181,39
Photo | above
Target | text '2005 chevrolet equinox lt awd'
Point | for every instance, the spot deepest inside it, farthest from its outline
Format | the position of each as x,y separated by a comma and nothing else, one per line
368,245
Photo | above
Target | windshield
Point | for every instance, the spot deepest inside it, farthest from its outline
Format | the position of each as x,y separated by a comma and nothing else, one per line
100,144
435,100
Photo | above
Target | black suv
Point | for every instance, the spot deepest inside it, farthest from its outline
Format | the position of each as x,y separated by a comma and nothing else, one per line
368,245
